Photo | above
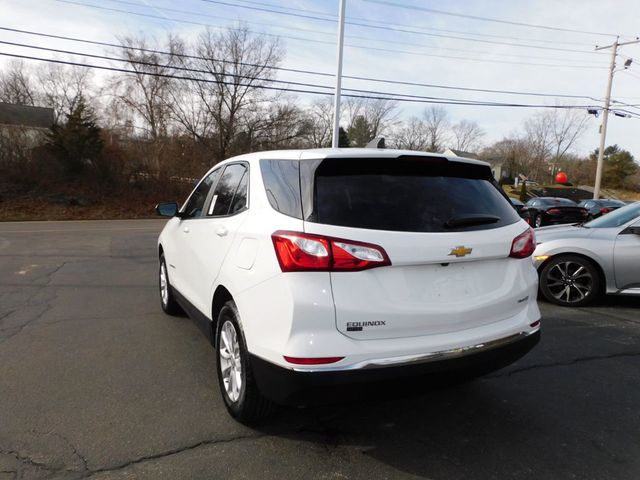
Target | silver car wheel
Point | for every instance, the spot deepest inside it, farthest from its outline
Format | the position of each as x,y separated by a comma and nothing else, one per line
230,361
569,282
164,284
538,221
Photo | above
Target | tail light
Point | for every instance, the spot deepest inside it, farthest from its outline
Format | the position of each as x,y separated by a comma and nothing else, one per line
524,244
553,210
303,252
605,210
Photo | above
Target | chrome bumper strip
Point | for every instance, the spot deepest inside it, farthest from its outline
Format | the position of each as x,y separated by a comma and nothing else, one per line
423,357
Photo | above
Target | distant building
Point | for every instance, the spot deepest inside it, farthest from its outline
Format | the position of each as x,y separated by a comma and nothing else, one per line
22,128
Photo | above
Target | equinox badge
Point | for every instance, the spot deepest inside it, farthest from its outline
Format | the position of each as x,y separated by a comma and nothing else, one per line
460,251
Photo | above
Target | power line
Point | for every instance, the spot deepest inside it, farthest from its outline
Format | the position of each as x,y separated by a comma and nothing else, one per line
298,71
304,39
425,100
488,19
415,32
355,37
390,95
539,40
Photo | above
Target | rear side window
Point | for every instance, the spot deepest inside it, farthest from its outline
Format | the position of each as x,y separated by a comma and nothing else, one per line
230,194
414,194
282,184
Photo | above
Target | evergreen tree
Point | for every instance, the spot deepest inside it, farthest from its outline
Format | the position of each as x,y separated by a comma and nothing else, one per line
618,166
360,132
78,142
343,139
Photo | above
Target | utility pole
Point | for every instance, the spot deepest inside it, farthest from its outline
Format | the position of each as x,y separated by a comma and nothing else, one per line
336,103
605,112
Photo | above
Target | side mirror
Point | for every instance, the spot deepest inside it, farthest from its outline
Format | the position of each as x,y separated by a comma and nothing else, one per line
169,209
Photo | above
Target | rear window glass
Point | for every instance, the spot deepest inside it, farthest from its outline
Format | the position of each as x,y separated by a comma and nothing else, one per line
415,194
282,184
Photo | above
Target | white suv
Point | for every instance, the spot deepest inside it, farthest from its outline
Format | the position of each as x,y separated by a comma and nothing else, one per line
317,268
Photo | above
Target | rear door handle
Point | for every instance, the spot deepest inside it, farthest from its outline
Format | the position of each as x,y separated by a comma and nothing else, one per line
222,232
186,230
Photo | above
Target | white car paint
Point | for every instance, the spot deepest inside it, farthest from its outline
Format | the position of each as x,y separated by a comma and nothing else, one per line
426,306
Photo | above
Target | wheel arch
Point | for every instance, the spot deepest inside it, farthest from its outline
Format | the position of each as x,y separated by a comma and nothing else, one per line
220,297
601,274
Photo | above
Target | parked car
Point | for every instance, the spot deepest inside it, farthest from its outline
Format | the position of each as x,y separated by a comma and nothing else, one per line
578,263
320,269
517,204
540,211
598,207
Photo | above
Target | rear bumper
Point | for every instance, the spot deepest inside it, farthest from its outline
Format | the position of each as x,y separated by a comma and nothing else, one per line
290,387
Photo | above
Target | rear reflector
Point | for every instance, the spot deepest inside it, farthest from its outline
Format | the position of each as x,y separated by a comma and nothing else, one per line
303,252
312,361
524,244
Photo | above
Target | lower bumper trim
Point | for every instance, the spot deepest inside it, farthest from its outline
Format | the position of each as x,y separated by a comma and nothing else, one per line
290,387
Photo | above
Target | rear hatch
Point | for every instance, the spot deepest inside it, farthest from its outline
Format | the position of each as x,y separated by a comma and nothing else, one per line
447,229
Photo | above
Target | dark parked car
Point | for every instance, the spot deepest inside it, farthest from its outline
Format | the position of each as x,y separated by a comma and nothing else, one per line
542,211
517,204
601,206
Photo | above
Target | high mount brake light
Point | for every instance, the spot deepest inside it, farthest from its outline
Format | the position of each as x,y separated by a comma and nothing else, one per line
524,244
303,252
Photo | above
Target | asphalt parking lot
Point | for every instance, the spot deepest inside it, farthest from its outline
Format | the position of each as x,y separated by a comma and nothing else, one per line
96,382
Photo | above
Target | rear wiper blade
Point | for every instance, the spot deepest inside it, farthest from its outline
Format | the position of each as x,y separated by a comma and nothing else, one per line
470,219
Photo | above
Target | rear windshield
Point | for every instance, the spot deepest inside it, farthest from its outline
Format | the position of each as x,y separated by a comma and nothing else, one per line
409,194
564,202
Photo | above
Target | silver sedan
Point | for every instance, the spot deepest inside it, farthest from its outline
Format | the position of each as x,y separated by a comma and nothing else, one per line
577,263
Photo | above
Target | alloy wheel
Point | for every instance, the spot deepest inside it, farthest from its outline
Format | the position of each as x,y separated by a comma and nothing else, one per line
569,282
164,284
230,361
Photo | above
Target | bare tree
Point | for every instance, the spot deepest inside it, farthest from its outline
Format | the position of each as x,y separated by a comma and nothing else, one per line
16,84
378,113
550,135
63,87
146,92
467,135
227,73
411,135
436,121
320,122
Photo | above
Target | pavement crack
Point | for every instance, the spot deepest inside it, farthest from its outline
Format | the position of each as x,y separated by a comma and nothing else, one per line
575,361
175,451
25,459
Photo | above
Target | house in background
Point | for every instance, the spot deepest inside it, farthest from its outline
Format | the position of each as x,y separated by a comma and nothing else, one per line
24,118
22,129
498,169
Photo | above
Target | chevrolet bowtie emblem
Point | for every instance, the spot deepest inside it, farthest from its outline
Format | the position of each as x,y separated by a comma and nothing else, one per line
460,251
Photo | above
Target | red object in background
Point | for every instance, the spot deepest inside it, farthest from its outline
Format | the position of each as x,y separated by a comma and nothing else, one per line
561,177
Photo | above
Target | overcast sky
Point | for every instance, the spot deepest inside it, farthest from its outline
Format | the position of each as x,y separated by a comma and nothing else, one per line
389,53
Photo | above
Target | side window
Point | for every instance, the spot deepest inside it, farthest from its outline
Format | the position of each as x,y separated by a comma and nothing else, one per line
240,198
230,194
195,204
282,184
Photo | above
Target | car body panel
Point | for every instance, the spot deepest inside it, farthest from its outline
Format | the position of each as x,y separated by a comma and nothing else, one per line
614,249
294,313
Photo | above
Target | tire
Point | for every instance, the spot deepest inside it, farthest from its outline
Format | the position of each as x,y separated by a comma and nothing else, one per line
244,402
570,281
537,220
167,300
